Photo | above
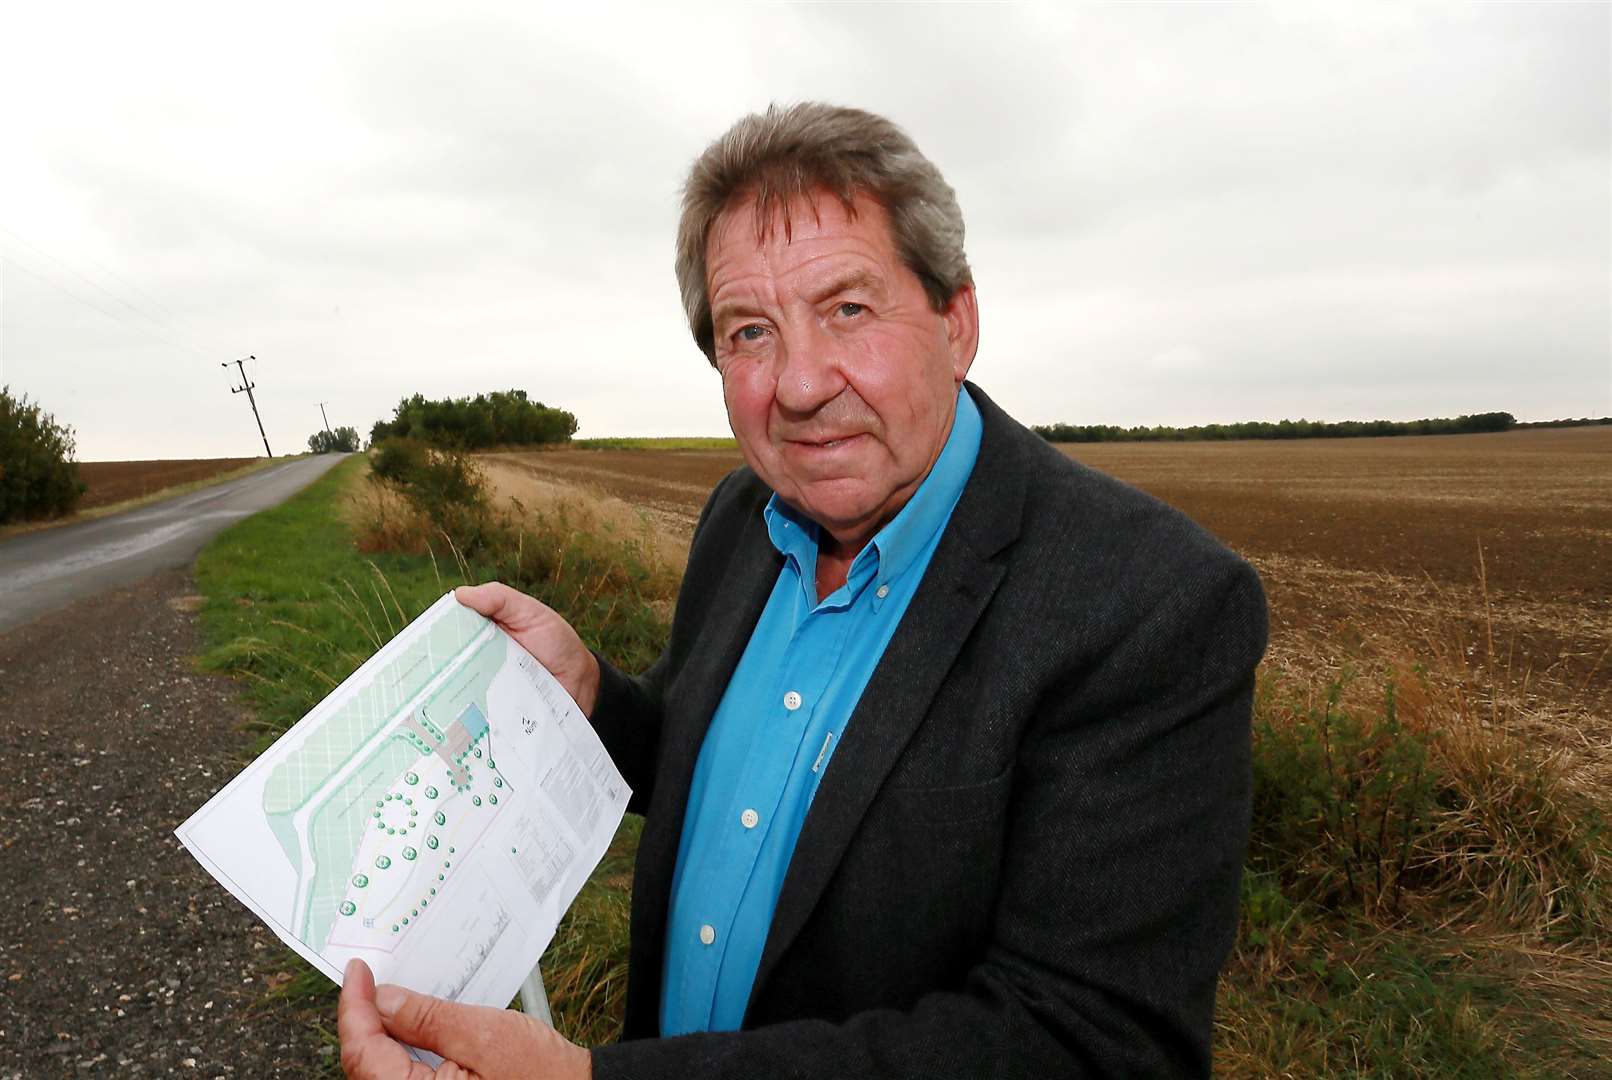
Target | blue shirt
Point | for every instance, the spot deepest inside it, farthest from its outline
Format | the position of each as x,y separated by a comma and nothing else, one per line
774,734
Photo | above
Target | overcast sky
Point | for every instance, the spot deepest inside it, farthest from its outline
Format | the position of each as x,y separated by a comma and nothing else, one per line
1177,213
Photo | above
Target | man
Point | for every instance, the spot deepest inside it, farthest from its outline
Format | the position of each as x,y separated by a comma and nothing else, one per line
945,768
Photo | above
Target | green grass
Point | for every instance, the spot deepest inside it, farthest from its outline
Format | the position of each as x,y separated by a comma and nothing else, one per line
656,443
1363,1004
292,607
585,966
1426,895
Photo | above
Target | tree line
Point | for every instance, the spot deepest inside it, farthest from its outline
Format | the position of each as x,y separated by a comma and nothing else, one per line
501,418
1583,421
344,440
1281,429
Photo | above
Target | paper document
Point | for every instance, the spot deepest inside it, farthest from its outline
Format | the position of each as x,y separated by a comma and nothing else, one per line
434,816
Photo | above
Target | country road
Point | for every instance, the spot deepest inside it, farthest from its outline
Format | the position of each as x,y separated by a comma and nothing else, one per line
45,570
119,956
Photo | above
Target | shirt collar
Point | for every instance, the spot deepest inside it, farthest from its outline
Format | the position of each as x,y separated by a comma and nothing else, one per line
906,535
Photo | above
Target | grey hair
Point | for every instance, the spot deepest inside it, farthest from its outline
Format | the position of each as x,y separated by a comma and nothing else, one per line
800,152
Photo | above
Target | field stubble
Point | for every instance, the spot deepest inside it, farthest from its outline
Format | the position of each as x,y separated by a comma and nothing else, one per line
1494,548
110,482
1426,893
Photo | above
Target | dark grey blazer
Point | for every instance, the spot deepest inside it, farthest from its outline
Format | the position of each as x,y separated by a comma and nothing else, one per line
1024,858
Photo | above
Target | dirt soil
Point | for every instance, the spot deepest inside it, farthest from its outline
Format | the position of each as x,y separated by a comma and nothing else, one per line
119,956
115,481
1366,547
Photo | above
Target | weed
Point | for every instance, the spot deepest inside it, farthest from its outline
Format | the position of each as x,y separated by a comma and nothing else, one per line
1370,803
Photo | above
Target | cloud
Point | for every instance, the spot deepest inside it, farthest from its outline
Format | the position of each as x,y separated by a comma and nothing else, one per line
1176,213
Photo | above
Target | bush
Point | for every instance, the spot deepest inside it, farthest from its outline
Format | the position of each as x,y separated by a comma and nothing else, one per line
38,476
343,440
1368,806
398,460
502,418
445,490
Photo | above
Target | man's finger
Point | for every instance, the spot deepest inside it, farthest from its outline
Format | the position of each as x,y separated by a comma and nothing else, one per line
508,607
487,599
356,1016
462,1033
366,1049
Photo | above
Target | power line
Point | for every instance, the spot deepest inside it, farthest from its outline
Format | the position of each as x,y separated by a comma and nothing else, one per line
58,286
103,289
174,320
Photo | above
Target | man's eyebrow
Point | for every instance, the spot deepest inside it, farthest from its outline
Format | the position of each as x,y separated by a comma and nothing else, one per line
848,281
733,309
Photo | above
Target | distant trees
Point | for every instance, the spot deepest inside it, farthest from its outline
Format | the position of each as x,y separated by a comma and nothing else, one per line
1282,429
343,440
38,476
1583,421
502,418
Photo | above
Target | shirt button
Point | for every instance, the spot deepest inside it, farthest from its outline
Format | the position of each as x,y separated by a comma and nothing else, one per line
792,701
749,819
707,934
882,591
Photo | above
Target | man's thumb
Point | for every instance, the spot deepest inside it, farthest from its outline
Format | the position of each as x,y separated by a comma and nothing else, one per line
420,1019
389,999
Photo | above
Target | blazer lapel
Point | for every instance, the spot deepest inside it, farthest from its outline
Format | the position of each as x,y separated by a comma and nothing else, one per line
712,658
715,655
959,583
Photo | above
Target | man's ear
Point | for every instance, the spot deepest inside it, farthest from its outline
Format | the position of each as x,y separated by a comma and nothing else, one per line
962,318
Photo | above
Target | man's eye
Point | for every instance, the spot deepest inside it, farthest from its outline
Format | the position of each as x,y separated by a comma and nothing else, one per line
750,333
849,309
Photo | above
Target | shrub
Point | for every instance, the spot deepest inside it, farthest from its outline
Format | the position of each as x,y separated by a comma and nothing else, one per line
398,460
38,476
1367,802
444,488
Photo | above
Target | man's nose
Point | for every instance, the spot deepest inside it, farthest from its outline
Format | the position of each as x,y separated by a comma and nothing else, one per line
810,372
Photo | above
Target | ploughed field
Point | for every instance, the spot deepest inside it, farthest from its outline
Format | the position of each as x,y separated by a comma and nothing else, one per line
115,481
1494,549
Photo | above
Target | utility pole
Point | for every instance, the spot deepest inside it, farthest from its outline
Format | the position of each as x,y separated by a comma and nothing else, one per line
247,385
322,405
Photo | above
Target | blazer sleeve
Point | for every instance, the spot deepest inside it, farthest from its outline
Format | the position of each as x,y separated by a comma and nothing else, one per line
1117,905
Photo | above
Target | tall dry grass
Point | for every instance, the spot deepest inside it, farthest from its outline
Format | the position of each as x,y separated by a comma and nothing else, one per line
1429,884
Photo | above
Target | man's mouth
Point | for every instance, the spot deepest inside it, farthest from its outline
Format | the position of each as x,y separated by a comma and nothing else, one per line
828,443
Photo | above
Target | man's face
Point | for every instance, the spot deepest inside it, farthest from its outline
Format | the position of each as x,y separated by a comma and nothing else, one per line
840,378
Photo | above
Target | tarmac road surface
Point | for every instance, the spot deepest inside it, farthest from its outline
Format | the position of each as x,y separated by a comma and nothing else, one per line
49,569
119,956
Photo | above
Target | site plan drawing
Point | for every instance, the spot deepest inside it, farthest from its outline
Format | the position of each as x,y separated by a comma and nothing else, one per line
434,816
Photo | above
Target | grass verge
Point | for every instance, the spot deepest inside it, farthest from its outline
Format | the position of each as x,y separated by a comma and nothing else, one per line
298,596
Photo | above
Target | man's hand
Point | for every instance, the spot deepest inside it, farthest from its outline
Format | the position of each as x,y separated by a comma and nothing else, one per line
541,632
474,1041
